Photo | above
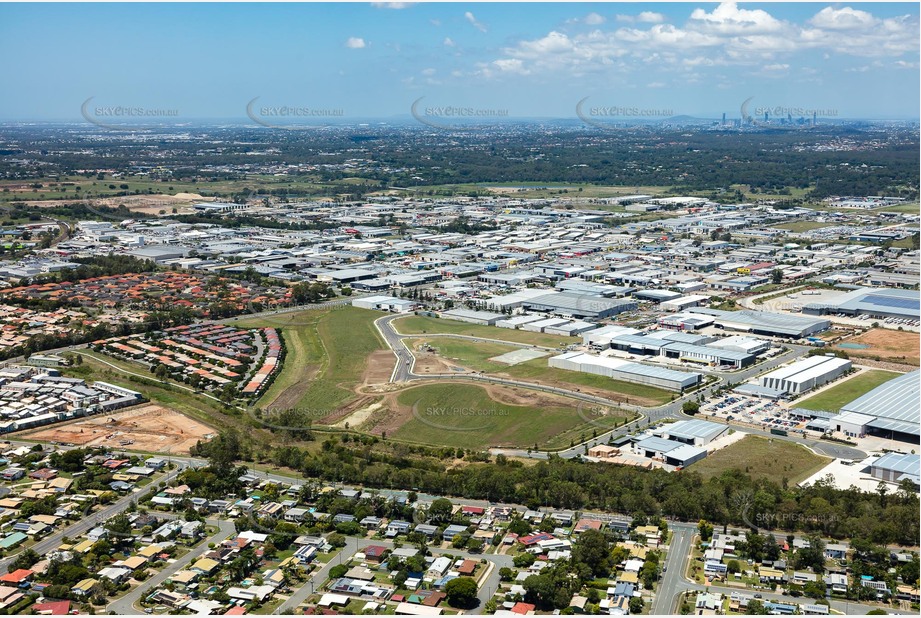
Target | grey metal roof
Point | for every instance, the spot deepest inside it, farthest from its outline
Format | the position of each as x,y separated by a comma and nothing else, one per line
702,349
899,462
898,400
906,303
659,444
781,323
757,389
695,429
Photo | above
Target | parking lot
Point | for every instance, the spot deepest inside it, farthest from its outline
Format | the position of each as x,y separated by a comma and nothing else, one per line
754,411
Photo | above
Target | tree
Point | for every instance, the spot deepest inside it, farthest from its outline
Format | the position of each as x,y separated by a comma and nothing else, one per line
592,550
523,561
505,574
705,529
733,566
776,276
440,510
461,592
812,556
636,605
755,608
690,407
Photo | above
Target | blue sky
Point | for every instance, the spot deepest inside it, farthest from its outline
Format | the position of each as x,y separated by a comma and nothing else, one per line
372,60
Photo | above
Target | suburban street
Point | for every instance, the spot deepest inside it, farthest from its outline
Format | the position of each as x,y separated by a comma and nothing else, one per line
90,521
125,605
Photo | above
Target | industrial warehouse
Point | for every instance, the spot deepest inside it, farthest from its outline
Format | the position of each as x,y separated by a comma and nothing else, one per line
764,323
890,410
804,375
877,303
626,371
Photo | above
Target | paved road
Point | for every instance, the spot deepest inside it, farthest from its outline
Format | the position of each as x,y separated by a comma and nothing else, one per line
89,522
674,580
125,605
679,552
353,545
403,372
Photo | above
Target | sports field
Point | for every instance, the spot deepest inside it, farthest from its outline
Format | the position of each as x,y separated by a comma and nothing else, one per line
472,416
832,399
762,458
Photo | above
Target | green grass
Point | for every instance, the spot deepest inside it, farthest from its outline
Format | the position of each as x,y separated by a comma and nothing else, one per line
330,348
91,187
802,226
476,355
910,208
774,460
847,391
420,324
464,415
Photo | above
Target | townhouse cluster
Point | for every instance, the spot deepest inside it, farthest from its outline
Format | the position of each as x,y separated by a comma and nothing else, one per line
215,354
35,396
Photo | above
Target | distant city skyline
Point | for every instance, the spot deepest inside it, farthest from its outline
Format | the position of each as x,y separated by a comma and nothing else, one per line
175,63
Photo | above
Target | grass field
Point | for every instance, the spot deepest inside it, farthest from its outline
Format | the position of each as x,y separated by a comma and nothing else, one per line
911,208
802,226
847,391
903,347
466,416
420,324
327,355
91,187
476,355
761,458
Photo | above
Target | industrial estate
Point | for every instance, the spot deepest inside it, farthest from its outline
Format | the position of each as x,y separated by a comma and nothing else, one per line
536,367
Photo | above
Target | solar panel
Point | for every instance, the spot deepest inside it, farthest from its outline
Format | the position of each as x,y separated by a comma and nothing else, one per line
888,301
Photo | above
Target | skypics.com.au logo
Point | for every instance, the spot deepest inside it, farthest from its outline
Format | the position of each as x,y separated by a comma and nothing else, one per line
125,117
454,117
291,117
757,114
617,117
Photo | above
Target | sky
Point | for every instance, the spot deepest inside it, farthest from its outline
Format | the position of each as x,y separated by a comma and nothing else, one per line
374,60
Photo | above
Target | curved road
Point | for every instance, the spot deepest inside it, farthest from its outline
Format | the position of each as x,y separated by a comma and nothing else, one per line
403,372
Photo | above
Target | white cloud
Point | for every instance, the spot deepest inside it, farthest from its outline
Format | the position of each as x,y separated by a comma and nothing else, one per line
728,18
594,19
449,42
392,5
473,21
776,67
650,17
355,42
428,72
656,85
646,17
842,19
724,36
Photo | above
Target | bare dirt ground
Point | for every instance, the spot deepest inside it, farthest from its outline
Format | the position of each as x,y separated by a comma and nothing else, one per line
149,428
894,346
431,362
380,367
290,397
